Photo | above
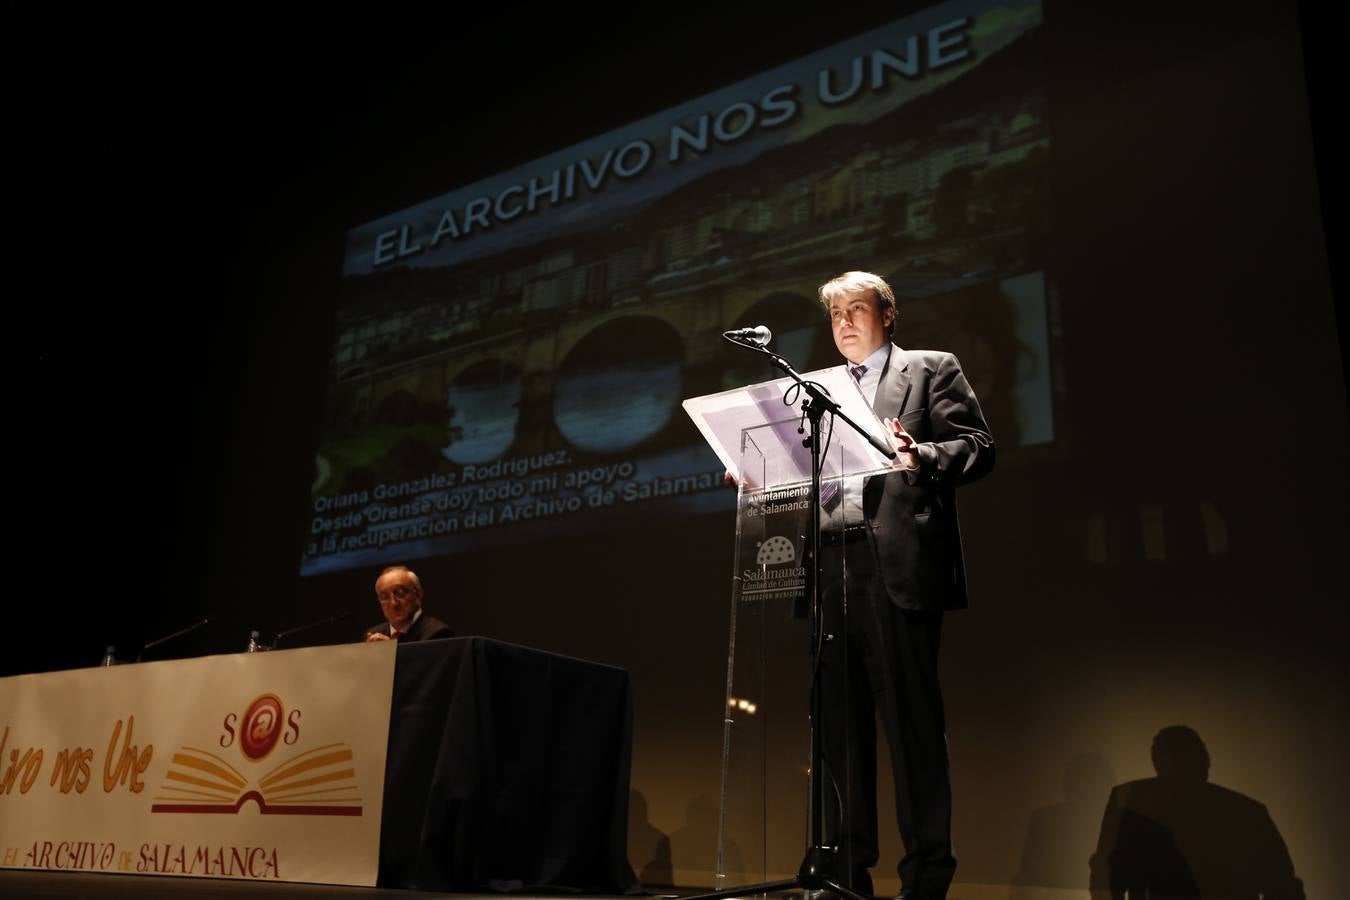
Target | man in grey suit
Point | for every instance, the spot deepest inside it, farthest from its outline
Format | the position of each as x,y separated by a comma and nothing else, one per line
898,533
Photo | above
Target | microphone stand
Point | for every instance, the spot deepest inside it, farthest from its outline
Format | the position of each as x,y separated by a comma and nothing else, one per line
302,628
819,868
168,637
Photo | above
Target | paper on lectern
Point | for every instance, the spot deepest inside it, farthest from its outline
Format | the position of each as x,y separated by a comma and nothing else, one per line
725,417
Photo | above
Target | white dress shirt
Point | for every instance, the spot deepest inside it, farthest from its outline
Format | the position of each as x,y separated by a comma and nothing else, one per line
869,382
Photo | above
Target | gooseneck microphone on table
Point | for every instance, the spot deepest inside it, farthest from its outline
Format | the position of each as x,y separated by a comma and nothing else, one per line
169,637
302,628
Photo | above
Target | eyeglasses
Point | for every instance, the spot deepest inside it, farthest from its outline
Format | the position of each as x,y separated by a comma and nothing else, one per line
398,592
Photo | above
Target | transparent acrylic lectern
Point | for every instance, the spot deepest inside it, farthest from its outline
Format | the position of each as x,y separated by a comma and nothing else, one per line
767,790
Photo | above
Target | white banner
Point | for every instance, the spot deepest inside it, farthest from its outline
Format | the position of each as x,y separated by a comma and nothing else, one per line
264,766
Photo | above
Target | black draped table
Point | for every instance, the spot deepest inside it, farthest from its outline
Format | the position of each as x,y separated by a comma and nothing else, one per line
507,771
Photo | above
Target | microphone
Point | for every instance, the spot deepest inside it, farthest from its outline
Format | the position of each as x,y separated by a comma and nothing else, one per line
168,637
759,335
301,628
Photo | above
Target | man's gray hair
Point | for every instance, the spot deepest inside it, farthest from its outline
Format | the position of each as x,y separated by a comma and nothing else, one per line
412,576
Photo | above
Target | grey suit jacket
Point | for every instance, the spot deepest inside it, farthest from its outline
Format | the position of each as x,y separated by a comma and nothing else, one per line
912,515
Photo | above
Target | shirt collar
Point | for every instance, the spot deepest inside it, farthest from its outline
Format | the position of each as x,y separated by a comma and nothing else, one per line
411,622
877,361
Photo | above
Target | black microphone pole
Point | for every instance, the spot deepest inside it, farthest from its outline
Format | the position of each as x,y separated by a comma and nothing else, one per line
168,637
302,628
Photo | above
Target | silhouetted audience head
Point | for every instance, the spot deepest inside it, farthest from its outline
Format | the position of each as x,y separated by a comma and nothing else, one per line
1179,835
1178,752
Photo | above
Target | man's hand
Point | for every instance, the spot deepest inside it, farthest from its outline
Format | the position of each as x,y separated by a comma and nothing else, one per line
730,479
906,457
375,636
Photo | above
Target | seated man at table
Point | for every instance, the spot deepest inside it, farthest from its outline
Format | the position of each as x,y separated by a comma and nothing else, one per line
400,594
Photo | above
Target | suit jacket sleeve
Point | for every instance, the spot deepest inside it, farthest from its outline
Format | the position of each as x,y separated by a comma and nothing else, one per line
961,447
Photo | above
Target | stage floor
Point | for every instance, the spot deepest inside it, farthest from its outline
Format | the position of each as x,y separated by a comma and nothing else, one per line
19,884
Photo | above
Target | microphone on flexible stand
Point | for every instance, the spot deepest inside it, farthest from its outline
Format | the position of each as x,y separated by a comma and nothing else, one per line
759,336
168,637
301,628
